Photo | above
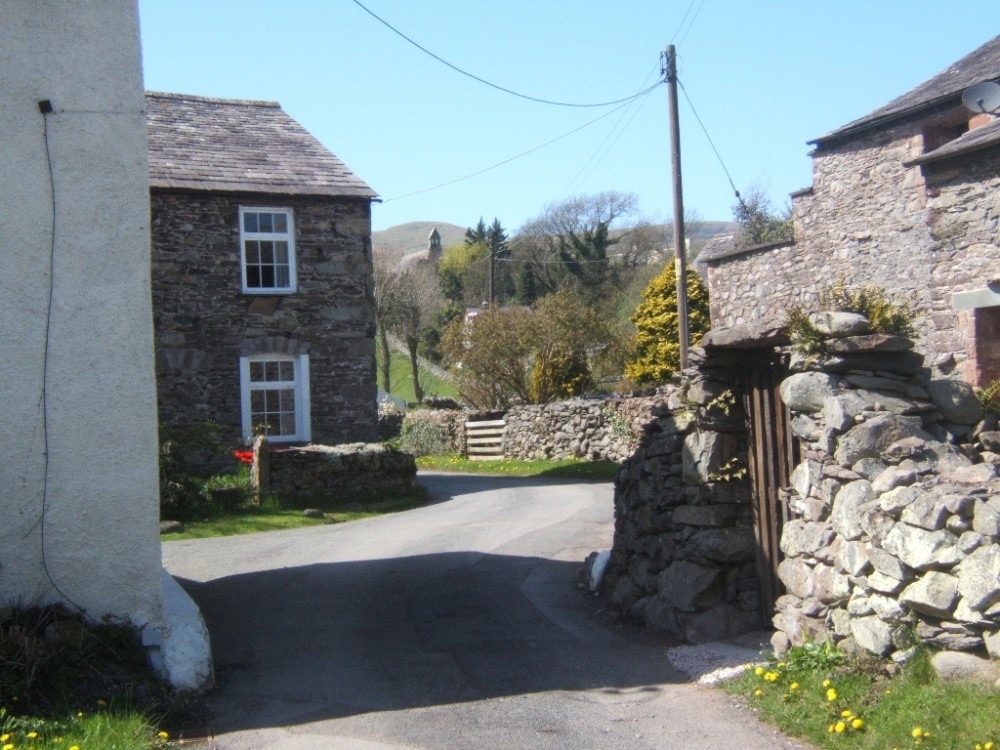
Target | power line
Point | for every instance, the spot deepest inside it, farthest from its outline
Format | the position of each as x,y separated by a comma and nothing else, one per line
710,143
508,161
474,77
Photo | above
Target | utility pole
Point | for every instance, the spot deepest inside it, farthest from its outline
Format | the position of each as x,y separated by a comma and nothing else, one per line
668,67
493,271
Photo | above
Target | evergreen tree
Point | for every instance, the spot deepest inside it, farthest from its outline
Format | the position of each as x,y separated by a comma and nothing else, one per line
656,345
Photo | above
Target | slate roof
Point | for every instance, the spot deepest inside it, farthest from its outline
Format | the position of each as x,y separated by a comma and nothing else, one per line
237,145
941,91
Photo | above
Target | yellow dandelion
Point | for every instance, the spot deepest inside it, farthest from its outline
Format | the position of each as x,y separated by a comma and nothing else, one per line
8,747
794,686
857,723
846,713
759,671
4,737
827,683
74,747
917,733
758,692
831,694
32,735
840,727
781,665
988,746
163,736
831,728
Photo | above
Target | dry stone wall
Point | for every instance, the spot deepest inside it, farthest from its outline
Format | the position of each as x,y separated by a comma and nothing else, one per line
684,554
894,534
330,473
589,429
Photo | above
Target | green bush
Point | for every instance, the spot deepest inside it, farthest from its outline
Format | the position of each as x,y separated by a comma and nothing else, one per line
656,345
884,314
989,397
186,454
425,438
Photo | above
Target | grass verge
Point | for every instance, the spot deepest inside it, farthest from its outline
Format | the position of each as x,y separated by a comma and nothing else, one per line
68,683
555,469
252,519
818,694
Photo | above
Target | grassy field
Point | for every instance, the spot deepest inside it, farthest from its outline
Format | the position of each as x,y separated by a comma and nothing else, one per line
402,381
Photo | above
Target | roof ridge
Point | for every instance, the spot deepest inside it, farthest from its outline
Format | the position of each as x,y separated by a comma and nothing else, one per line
212,100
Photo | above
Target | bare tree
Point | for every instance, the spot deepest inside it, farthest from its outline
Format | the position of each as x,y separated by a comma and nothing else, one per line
416,299
387,282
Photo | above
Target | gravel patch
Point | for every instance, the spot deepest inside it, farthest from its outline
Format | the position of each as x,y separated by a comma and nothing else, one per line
710,663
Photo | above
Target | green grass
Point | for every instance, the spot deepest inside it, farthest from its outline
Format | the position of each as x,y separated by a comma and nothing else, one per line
861,704
402,381
253,520
555,469
107,729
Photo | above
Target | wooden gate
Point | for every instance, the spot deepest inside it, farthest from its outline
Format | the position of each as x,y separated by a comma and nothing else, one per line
773,452
484,440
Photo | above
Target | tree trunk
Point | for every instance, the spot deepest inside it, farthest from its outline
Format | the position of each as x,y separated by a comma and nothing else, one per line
418,392
383,340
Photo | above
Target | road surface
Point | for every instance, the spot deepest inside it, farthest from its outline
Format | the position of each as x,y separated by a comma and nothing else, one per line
454,626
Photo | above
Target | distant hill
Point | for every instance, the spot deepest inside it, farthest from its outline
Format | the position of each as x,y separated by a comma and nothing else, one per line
404,239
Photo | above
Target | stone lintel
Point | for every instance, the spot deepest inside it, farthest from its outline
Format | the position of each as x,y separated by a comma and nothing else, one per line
987,296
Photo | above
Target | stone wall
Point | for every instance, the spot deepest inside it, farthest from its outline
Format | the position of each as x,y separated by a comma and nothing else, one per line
331,473
894,533
921,233
204,323
590,429
684,555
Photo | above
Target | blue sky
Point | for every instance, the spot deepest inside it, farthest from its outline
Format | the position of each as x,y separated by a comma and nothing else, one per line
764,76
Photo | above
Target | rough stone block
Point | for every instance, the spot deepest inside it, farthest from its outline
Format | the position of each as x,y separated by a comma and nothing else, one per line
933,594
979,578
872,634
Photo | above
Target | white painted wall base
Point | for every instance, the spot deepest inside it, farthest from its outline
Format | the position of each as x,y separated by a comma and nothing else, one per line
180,649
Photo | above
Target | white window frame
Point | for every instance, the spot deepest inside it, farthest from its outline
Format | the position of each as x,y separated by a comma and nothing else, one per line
300,383
287,236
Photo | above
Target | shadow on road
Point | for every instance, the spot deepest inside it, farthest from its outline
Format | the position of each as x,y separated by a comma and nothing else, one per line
332,640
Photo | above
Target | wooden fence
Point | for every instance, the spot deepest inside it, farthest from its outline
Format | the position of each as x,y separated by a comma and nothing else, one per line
483,440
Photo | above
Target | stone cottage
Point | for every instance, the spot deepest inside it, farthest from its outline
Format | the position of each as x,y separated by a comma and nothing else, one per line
905,198
262,274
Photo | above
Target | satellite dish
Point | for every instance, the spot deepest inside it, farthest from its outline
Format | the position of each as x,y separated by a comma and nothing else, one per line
983,97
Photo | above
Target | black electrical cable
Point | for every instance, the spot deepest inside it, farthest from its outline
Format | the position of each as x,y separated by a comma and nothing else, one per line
43,400
474,77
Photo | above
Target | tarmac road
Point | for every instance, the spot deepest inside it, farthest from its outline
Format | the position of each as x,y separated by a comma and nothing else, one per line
455,626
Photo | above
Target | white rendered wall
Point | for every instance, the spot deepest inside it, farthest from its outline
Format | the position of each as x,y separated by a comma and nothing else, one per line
78,445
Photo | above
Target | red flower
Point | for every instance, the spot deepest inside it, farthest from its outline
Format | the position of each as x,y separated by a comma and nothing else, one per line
244,456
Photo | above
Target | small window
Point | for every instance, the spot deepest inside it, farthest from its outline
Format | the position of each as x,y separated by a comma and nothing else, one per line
267,249
275,397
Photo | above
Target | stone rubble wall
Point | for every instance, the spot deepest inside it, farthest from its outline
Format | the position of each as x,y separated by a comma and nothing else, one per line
894,530
332,472
589,429
684,554
936,233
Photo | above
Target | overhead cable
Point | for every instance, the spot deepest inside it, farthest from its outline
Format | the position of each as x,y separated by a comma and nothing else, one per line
474,77
508,161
